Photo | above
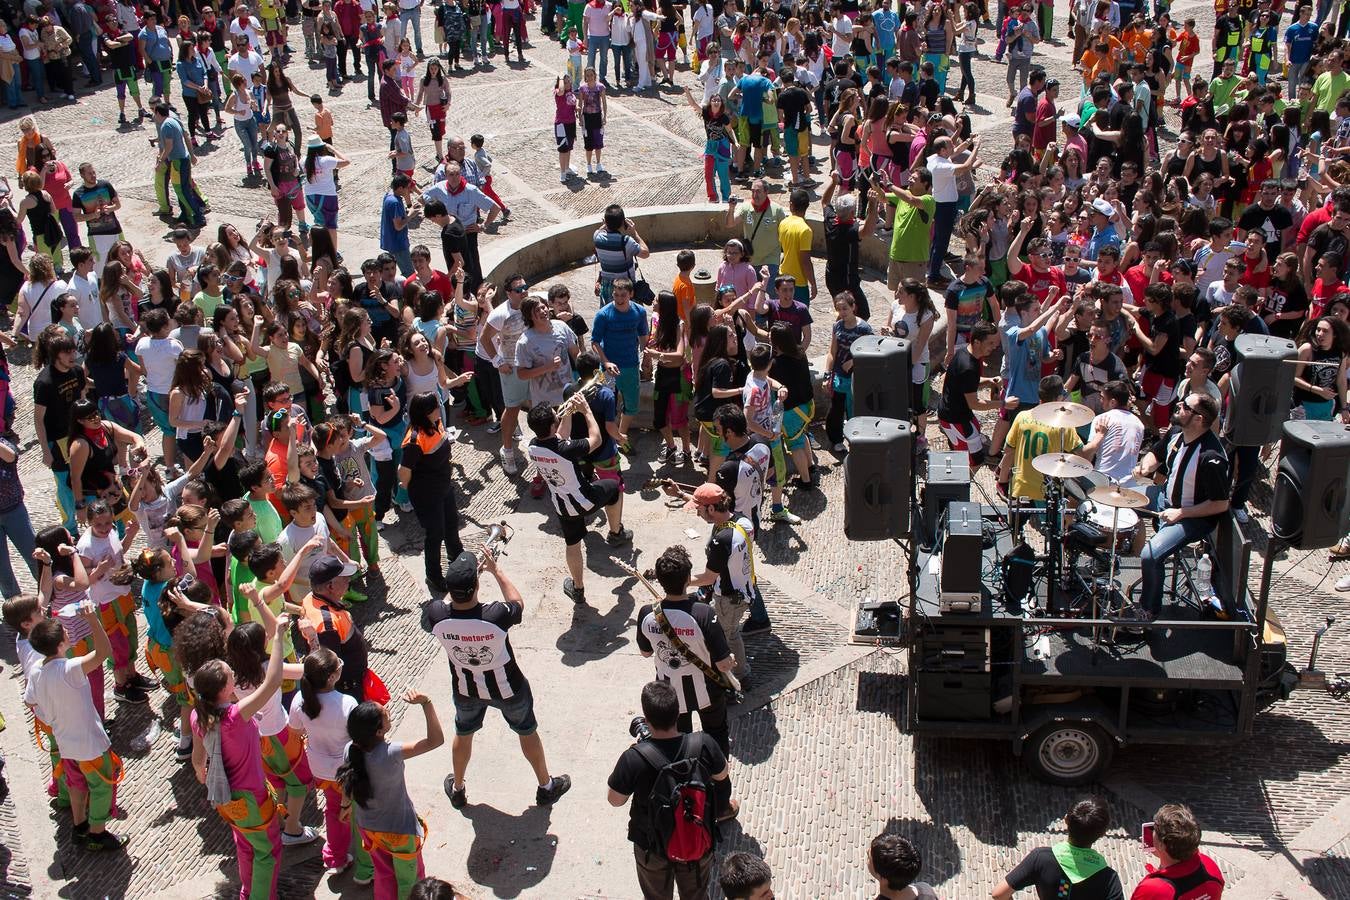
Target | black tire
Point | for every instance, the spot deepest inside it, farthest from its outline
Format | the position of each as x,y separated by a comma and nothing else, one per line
1069,752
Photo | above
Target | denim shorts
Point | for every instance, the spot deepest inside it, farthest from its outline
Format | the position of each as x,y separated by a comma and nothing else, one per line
517,711
515,391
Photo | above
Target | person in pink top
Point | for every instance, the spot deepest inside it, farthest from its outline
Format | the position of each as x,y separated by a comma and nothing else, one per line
56,181
227,757
596,19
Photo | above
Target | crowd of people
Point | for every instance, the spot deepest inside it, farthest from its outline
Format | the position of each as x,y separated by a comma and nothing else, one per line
1113,257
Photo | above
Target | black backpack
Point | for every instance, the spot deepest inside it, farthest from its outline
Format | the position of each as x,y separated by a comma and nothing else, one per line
681,820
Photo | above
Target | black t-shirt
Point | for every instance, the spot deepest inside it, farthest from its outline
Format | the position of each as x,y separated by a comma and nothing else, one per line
1325,239
1077,344
1041,870
429,460
1286,300
793,373
1270,222
792,103
281,162
841,251
716,128
57,393
633,776
717,374
1167,362
963,377
928,93
452,241
120,57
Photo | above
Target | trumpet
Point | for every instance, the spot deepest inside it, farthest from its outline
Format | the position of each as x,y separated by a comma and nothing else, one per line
498,535
594,380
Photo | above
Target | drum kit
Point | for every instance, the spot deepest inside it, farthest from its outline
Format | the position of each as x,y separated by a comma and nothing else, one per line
1106,514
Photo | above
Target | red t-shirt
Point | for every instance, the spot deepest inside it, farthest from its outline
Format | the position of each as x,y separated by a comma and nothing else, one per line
439,282
1319,216
1042,135
1137,275
1322,293
1252,277
1039,282
1156,888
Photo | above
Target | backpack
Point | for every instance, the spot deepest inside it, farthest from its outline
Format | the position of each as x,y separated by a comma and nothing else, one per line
1198,885
680,805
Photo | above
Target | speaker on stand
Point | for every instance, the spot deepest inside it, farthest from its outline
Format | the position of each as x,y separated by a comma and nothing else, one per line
881,377
1261,388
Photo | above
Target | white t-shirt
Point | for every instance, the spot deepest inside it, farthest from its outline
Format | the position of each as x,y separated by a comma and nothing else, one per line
944,179
60,691
94,549
272,718
327,734
40,297
1119,450
292,538
159,356
510,325
619,31
245,64
842,31
86,290
322,184
248,29
704,18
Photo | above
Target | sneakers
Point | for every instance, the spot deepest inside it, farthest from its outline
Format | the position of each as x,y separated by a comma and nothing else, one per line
140,681
755,626
405,507
104,842
572,592
494,427
308,834
1344,584
620,538
679,458
590,169
129,693
562,178
183,752
458,798
1241,515
626,448
663,455
509,464
783,514
552,793
339,868
599,169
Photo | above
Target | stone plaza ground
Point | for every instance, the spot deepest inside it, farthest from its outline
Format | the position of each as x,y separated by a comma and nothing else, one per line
821,762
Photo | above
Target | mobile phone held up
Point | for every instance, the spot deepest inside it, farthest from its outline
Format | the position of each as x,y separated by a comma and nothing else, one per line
1146,834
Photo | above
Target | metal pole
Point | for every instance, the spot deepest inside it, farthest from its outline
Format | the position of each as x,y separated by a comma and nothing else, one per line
1252,668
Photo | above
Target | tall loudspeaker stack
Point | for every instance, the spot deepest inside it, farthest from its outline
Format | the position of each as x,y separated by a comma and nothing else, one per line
1264,382
1311,484
881,382
877,478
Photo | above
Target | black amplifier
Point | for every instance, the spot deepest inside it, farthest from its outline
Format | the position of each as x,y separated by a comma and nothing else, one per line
953,696
954,648
959,587
948,480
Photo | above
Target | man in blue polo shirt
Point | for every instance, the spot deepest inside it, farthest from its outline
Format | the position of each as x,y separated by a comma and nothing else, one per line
616,333
394,223
1299,39
753,87
157,50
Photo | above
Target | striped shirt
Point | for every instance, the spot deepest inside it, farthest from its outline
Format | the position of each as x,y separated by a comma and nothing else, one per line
482,663
696,625
556,460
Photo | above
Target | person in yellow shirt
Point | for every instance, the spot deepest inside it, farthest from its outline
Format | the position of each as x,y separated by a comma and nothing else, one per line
1029,439
795,236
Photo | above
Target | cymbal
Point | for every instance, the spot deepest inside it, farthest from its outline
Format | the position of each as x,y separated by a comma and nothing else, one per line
1118,497
1062,414
1061,465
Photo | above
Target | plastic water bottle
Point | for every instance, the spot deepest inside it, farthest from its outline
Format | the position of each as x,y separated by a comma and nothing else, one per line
1204,583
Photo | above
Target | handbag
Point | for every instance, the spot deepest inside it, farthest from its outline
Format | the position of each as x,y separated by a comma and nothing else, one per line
642,291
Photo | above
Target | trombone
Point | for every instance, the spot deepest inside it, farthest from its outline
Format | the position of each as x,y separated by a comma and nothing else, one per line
594,380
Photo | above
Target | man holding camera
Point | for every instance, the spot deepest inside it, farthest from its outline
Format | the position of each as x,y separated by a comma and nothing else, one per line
485,673
648,761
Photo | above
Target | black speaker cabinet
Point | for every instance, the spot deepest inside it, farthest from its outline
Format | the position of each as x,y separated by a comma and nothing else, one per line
881,377
1311,484
877,480
948,480
1263,385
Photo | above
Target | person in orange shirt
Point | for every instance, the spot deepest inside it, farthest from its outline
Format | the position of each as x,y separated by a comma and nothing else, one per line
1187,46
1102,57
1137,38
684,285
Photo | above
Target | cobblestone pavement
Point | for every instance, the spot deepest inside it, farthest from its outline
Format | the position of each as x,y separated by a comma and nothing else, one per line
822,764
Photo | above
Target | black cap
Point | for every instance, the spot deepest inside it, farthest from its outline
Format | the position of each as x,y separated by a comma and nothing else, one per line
462,577
326,568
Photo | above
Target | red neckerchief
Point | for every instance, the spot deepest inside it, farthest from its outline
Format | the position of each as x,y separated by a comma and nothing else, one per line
97,436
457,188
759,209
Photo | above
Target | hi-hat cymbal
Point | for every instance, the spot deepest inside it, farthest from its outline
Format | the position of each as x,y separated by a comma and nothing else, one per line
1062,414
1061,465
1118,497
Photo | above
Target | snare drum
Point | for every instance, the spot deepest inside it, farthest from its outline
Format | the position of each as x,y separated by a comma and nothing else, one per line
1126,523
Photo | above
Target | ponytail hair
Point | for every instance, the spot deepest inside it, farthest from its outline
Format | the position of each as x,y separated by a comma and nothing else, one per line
363,727
207,686
320,666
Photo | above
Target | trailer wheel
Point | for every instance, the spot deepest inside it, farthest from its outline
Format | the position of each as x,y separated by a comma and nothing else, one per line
1069,753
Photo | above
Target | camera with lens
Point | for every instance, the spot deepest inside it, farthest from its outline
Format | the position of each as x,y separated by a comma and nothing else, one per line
639,728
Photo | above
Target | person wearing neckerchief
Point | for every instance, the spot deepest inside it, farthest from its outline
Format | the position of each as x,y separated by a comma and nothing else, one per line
1070,866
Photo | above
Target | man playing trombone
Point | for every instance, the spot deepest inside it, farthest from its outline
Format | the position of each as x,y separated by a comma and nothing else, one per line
559,460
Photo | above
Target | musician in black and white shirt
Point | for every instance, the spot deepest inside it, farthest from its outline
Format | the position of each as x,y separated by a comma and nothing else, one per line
1191,470
695,625
559,461
484,671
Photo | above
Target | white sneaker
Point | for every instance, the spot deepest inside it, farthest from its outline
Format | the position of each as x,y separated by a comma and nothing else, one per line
1343,584
509,463
590,169
573,172
562,177
307,835
599,169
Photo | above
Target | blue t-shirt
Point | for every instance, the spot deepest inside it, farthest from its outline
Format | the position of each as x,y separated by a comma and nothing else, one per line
753,88
395,240
159,632
157,45
194,71
1300,39
171,136
619,334
1024,364
886,22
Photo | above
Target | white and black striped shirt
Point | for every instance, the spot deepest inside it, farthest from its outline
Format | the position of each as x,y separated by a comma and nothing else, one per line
696,624
476,643
1196,472
557,461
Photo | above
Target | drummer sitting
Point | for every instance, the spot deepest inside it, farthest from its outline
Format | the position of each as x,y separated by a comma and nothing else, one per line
1030,438
1191,475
